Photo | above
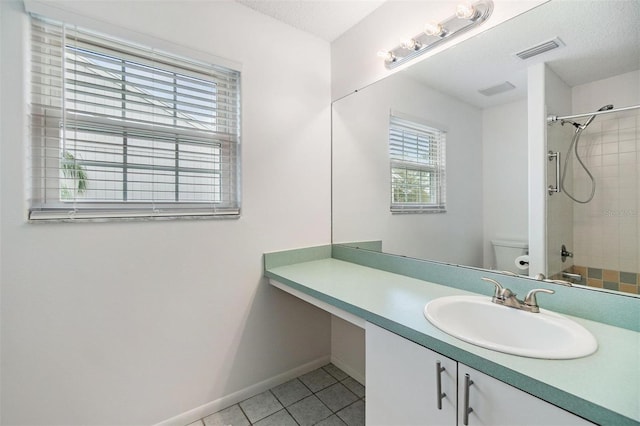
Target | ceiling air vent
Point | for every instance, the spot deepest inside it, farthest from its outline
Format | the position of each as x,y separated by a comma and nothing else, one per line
540,48
499,88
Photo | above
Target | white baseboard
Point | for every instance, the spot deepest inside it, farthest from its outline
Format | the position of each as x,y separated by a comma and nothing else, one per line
357,375
204,410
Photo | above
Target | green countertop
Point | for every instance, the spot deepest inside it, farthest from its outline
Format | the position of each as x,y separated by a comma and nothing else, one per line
603,388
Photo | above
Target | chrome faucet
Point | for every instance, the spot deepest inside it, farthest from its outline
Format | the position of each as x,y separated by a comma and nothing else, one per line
504,296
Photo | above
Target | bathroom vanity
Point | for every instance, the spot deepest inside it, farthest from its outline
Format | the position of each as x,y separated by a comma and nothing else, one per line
416,373
408,384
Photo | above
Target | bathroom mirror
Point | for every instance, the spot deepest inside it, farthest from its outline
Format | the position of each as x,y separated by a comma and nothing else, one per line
487,182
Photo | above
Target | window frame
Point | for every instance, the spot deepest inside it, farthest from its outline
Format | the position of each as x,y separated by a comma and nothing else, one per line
418,147
45,201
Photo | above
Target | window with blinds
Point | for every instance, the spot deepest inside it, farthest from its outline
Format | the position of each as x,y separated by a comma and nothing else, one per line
122,131
417,155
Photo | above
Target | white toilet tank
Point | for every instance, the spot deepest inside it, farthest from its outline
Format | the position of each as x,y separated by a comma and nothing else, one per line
506,252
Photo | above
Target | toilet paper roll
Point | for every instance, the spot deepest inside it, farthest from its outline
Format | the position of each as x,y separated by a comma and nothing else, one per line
522,262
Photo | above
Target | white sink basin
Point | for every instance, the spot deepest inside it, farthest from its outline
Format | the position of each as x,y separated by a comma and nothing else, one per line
477,320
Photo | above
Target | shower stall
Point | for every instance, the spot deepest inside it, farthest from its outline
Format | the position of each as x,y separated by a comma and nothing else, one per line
593,201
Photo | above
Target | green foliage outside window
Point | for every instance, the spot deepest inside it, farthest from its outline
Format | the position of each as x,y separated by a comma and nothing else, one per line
411,186
74,172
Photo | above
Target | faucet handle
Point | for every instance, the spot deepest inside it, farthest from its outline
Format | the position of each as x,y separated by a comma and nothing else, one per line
498,287
530,298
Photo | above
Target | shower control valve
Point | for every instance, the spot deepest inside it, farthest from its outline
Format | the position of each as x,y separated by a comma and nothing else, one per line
564,253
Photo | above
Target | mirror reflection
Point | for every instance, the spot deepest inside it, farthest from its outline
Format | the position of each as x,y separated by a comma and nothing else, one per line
468,203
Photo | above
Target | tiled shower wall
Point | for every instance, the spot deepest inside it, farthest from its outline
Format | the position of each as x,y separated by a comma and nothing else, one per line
626,282
607,230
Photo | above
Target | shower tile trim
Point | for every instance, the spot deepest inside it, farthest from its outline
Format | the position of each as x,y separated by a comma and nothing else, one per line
626,282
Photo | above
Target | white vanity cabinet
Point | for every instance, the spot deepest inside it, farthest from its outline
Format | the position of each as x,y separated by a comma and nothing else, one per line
402,389
402,382
495,403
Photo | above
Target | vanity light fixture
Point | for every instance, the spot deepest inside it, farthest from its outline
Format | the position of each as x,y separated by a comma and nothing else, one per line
467,16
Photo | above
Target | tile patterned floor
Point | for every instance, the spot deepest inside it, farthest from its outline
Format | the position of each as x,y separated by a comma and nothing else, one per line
324,397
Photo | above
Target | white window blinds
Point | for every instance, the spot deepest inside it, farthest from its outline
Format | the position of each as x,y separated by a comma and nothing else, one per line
417,156
124,131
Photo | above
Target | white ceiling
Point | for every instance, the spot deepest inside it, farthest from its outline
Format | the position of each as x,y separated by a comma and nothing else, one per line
327,19
602,39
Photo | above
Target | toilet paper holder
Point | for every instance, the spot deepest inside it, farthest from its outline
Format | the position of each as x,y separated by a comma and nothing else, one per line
522,262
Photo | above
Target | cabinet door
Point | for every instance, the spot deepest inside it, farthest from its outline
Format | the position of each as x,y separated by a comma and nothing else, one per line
496,403
402,382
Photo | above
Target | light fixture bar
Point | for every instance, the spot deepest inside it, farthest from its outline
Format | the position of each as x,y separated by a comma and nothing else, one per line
437,33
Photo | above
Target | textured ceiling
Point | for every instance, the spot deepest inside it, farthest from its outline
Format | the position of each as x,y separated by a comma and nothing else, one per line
602,39
327,19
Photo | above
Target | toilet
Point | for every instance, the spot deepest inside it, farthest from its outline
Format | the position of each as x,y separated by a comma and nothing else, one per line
506,252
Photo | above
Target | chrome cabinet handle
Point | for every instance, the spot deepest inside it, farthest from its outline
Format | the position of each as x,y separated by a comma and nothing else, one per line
440,394
555,155
467,384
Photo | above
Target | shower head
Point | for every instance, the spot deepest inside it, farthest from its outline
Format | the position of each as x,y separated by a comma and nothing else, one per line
580,127
604,108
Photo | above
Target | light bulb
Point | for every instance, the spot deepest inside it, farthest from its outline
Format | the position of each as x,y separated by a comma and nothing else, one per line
411,44
465,11
387,56
433,28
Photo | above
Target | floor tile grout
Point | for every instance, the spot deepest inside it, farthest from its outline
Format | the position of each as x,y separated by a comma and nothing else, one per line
338,377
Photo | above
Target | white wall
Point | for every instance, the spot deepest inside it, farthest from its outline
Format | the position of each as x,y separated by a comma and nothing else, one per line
547,94
504,175
347,348
361,187
136,322
1,138
537,166
559,208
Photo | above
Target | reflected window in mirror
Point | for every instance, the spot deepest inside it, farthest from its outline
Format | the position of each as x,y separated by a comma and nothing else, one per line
417,157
